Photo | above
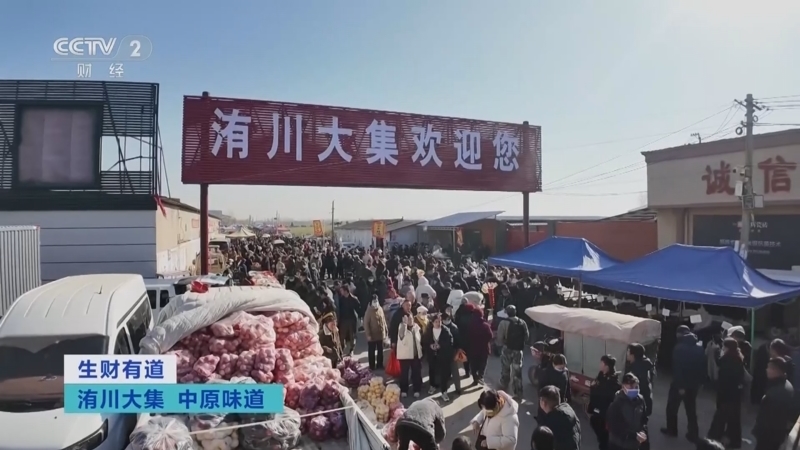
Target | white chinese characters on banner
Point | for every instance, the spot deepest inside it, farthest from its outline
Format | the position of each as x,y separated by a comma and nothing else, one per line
235,133
287,135
506,147
468,149
426,140
382,143
336,144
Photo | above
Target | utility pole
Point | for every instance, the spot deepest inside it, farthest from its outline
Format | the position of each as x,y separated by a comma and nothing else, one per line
333,209
748,196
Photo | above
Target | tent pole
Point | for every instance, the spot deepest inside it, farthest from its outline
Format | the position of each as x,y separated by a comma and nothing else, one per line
680,315
580,292
752,335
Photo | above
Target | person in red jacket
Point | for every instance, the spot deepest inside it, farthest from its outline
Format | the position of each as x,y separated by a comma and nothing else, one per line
480,338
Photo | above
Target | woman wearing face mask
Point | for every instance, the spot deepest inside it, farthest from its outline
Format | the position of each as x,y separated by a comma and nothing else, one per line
497,424
376,331
409,354
601,395
437,342
625,417
422,318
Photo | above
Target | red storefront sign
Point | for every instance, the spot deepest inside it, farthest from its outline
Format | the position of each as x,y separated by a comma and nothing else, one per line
253,142
721,179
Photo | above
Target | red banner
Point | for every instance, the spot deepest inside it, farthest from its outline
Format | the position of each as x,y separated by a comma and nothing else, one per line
252,142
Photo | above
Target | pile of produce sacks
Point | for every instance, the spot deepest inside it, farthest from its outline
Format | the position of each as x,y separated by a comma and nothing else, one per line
262,334
353,373
264,279
269,347
206,433
281,432
318,396
160,433
378,402
390,430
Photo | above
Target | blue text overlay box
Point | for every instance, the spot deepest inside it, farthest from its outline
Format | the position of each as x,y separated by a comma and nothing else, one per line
120,369
173,398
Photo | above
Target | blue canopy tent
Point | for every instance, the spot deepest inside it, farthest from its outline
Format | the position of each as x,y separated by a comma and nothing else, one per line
705,275
559,256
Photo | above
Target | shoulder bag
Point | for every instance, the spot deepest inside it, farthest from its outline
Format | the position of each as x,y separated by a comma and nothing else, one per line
480,438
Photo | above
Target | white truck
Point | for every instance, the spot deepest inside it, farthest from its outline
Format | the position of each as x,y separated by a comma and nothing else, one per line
20,263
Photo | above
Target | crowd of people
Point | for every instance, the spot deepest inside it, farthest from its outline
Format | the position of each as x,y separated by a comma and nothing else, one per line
401,299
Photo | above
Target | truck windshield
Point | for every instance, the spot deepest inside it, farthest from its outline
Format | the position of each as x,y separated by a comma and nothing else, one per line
43,356
32,369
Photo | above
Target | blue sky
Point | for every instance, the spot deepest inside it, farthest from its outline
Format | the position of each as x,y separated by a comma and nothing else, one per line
603,79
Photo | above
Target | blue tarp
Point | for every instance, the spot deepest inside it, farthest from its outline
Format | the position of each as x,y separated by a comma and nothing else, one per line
706,275
559,256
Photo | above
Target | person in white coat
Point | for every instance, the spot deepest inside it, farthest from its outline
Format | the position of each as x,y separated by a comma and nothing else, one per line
423,287
497,425
409,354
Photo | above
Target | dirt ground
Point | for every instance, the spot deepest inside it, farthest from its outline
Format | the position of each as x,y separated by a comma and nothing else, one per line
460,410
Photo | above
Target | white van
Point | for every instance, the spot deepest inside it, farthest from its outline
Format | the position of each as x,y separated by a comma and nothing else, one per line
86,314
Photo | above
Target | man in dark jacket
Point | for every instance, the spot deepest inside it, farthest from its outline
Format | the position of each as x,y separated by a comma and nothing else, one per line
775,414
557,375
644,370
626,417
456,377
349,308
560,418
688,374
514,334
601,394
423,423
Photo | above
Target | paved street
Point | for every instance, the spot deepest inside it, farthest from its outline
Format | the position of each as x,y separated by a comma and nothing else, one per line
462,409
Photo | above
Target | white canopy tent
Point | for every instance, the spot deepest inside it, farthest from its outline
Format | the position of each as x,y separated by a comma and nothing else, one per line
241,234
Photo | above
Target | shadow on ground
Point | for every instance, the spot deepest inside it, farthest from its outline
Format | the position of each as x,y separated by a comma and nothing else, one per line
461,409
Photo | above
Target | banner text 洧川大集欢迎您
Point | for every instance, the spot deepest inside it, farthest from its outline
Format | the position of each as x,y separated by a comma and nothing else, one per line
259,142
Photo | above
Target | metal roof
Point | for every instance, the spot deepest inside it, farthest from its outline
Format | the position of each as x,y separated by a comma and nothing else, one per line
366,224
403,224
459,219
643,214
532,219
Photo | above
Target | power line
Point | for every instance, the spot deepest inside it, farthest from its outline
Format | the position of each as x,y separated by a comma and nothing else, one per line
580,194
610,174
642,147
778,97
613,141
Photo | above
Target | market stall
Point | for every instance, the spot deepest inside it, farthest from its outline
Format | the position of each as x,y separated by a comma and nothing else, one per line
559,256
701,275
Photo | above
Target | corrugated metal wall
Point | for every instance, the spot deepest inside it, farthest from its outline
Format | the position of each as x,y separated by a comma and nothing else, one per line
88,242
20,265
